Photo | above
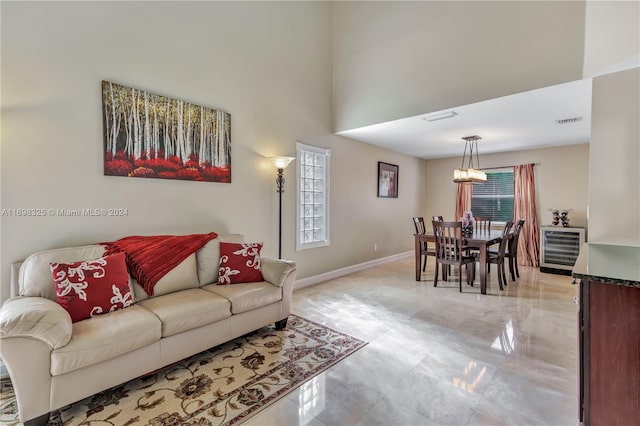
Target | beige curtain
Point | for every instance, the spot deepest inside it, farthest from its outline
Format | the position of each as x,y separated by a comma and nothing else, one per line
463,199
524,207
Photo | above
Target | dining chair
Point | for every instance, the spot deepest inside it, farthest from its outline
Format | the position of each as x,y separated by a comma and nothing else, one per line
483,223
447,270
418,222
498,257
512,249
451,251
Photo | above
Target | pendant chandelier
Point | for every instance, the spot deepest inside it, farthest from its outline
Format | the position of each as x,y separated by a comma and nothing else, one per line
470,174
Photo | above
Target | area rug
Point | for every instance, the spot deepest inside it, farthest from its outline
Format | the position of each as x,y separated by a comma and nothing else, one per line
224,385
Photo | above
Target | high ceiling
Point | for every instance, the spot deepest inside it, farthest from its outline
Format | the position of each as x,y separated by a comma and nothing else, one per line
522,121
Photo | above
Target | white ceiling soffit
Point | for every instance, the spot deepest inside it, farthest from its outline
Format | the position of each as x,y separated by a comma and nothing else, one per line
631,62
516,122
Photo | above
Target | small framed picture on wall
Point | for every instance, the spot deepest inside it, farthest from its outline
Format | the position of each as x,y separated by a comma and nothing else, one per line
387,180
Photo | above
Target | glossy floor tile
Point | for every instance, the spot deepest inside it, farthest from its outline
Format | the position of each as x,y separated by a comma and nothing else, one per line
439,357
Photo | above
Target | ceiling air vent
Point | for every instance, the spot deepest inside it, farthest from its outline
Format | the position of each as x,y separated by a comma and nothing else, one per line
569,120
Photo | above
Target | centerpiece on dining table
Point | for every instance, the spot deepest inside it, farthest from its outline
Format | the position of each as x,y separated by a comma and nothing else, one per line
467,222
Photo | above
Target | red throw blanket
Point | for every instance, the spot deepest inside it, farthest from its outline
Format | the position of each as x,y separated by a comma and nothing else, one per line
150,258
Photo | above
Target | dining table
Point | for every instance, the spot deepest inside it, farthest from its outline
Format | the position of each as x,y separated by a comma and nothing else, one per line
478,239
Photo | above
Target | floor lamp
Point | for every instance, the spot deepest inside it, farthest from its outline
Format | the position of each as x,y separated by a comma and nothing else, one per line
281,163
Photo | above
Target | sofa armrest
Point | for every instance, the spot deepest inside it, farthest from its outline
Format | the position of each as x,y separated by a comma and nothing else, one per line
36,318
275,271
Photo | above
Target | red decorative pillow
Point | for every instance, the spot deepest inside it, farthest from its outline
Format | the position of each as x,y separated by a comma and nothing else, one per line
240,263
92,287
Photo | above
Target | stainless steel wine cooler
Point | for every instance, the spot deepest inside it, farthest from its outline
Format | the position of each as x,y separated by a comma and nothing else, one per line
559,248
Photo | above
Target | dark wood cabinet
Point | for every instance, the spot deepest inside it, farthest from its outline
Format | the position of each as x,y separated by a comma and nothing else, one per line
609,340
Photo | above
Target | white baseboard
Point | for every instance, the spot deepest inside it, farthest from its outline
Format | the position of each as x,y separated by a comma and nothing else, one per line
316,279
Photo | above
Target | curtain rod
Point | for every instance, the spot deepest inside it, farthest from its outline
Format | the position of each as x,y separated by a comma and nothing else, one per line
506,167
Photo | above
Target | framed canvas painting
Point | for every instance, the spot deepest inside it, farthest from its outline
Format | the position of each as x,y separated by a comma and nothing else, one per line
152,136
387,180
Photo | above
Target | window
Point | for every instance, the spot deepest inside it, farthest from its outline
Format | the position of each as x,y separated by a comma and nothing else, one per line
494,197
312,227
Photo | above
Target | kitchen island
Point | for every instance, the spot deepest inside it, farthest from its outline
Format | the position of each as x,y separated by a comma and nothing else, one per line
609,334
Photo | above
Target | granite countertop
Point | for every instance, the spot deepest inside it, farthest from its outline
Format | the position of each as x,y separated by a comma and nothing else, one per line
611,264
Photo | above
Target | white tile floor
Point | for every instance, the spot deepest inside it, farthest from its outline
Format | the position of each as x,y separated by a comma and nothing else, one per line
439,357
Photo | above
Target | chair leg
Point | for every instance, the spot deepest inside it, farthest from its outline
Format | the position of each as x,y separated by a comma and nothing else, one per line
500,278
424,266
460,277
471,273
504,275
435,276
511,271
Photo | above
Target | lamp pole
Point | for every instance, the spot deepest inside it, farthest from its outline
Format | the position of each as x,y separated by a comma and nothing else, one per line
280,190
281,163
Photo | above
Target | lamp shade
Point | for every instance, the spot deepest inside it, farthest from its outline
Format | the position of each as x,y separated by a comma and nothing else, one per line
470,174
281,162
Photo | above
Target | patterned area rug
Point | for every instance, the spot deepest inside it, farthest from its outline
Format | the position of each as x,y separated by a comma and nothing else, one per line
223,385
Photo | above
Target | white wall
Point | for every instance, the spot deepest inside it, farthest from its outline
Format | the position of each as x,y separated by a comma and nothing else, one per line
561,178
359,219
614,178
612,34
268,64
399,59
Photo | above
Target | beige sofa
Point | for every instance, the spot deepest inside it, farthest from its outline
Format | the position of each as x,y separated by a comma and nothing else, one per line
53,362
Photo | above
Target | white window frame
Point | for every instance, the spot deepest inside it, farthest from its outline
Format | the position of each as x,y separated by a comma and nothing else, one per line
300,150
496,171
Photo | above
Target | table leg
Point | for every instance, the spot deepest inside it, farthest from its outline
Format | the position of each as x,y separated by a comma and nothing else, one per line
483,268
417,249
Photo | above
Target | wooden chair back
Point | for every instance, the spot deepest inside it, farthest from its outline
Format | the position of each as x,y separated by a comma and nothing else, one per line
483,223
418,222
513,243
449,244
437,218
506,239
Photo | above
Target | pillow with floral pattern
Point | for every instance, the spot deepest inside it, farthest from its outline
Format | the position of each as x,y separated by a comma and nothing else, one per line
92,287
240,263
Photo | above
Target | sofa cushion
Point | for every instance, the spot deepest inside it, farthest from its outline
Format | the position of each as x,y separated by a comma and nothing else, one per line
209,258
239,263
247,296
187,309
182,277
35,277
92,287
104,337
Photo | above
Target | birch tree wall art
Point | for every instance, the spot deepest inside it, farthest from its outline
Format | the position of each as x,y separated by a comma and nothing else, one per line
152,136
